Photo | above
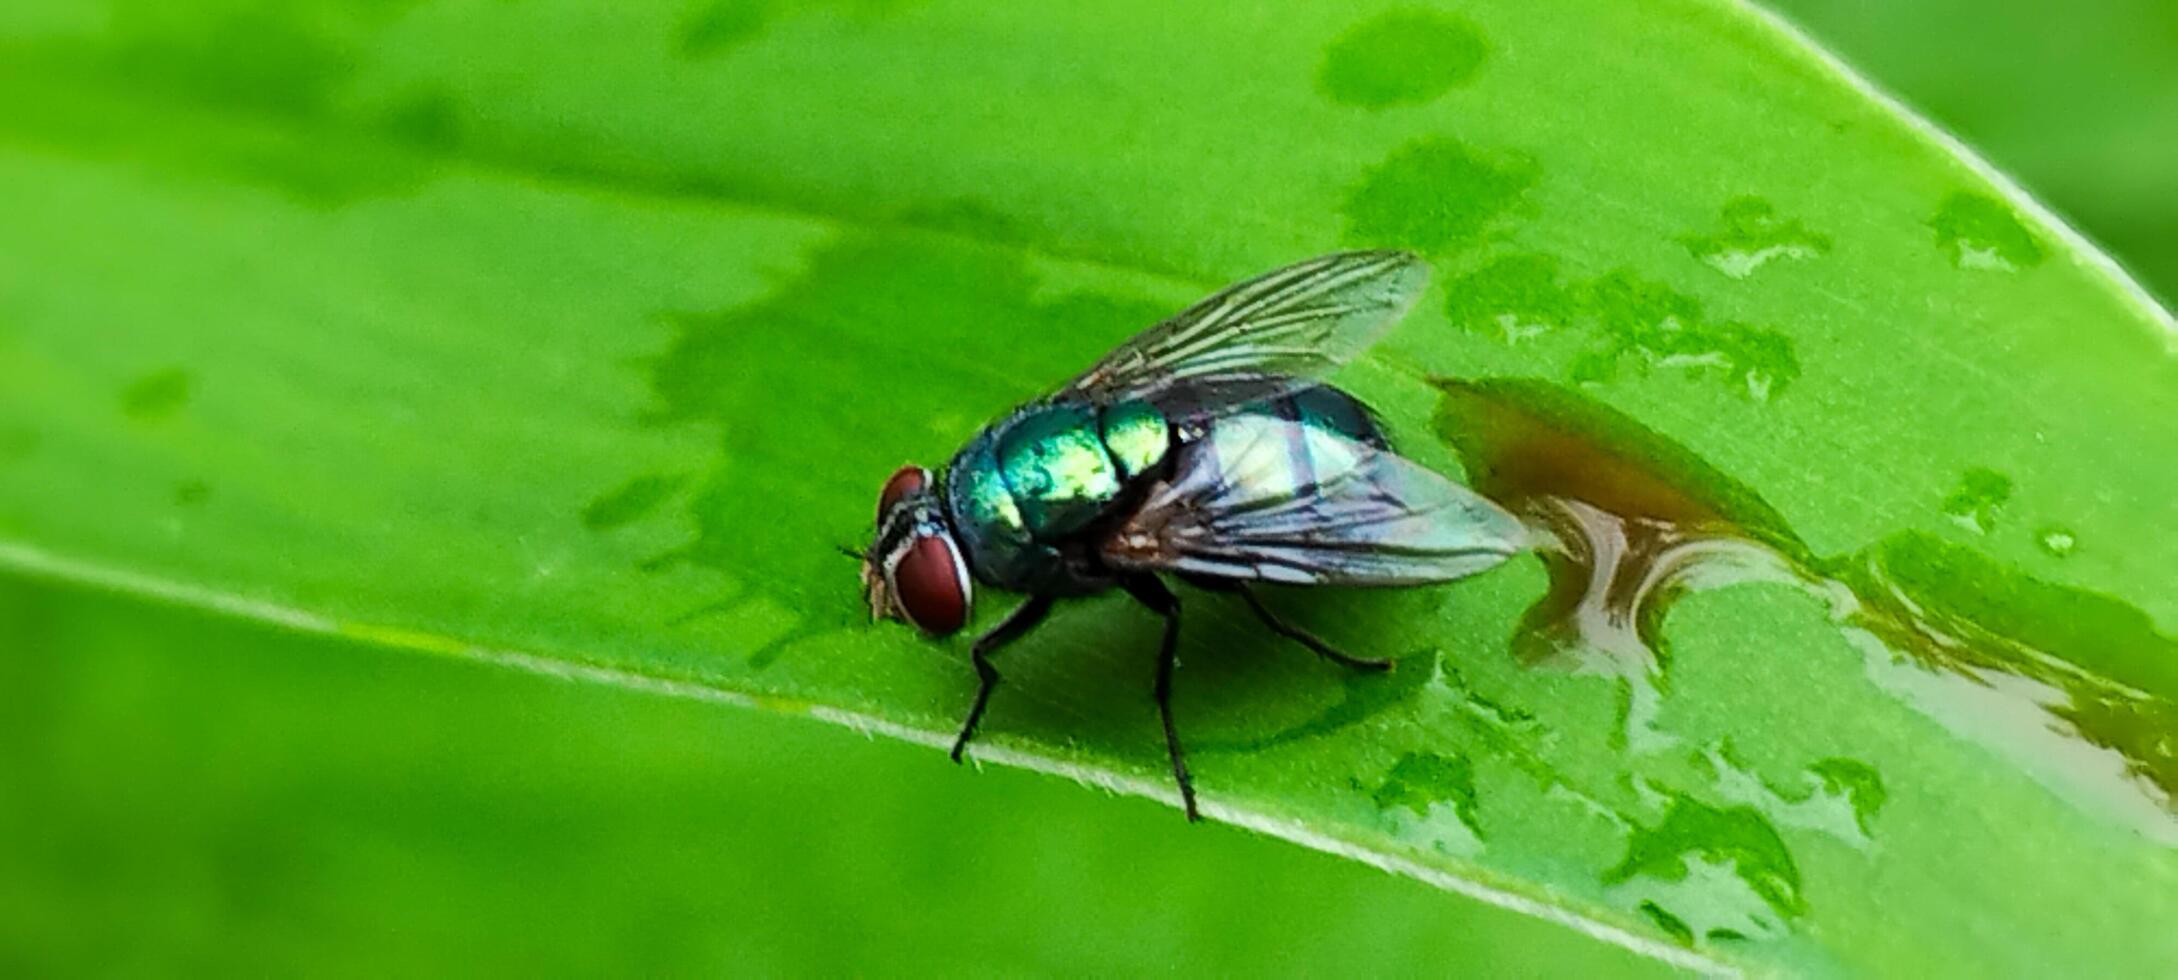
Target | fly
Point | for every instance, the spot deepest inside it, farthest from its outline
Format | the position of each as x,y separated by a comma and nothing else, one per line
1205,448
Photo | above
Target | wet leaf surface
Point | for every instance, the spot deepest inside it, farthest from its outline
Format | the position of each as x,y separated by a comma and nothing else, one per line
519,333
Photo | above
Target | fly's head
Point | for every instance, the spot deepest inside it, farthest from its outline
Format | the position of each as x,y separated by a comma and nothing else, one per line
913,571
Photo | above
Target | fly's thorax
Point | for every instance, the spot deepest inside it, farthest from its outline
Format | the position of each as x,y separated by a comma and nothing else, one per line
987,522
1026,488
1056,467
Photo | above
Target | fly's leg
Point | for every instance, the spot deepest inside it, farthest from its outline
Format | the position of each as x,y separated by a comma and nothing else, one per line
1147,590
1304,637
1023,618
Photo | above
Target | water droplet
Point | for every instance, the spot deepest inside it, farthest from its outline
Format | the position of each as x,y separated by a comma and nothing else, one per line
191,493
1631,321
1835,797
431,119
1435,195
1626,522
1704,862
156,396
1752,236
1650,324
1523,441
1980,232
1513,298
1403,57
1420,781
1859,784
631,501
967,218
1671,924
2057,542
1980,497
1432,797
720,26
2073,686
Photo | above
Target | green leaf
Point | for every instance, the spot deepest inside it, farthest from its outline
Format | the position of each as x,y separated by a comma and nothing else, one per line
521,333
2079,114
320,804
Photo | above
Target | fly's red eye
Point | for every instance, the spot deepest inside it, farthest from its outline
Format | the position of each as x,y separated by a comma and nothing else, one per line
931,584
904,481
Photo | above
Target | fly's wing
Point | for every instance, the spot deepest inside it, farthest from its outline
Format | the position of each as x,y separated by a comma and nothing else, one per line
1265,499
1260,338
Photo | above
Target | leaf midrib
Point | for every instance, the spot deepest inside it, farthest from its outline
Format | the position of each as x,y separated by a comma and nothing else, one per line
1474,881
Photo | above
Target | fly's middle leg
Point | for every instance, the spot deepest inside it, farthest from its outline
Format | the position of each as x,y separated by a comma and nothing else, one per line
1149,591
1304,637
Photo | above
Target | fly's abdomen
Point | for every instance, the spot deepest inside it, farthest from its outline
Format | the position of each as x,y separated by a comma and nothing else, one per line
1327,409
1137,436
1318,448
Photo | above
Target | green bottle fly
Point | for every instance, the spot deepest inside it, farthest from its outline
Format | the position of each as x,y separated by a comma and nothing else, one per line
1203,448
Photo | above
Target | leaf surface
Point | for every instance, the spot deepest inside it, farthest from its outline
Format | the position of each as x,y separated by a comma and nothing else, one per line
577,341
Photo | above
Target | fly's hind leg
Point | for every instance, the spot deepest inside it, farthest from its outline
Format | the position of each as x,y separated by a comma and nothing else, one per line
1147,590
1304,637
1023,618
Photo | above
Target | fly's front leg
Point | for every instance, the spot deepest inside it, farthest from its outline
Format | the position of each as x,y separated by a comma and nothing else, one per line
1023,618
1149,591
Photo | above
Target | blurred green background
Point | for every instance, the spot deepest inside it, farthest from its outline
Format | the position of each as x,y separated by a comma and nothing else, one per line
326,808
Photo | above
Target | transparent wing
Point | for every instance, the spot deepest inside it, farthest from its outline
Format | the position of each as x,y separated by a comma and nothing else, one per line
1262,337
1265,499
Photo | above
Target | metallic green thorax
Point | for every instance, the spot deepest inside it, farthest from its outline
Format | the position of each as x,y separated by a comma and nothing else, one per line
1021,486
1055,463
